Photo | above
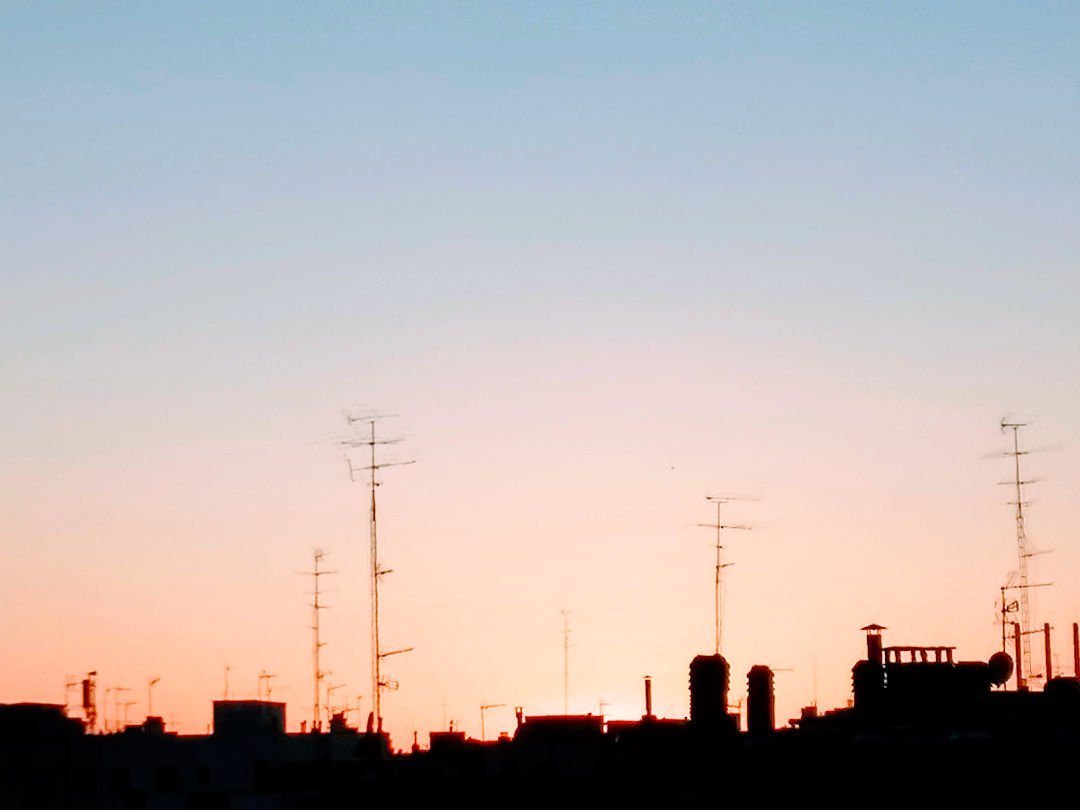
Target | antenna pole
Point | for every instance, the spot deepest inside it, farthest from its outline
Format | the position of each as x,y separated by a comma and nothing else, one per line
719,568
483,712
1022,551
377,682
116,707
718,613
317,642
150,684
376,659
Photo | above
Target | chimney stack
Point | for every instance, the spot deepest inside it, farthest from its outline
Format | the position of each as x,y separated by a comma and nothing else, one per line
1049,660
1076,650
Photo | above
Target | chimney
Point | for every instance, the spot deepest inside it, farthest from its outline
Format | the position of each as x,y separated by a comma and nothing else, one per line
648,696
760,701
1049,660
873,643
1076,650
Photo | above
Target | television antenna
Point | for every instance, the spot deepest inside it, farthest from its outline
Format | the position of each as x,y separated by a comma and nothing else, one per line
1023,553
317,643
378,684
268,679
150,684
720,527
483,712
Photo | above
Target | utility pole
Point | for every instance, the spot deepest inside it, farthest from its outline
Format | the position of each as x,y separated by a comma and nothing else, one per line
566,660
317,643
377,655
720,526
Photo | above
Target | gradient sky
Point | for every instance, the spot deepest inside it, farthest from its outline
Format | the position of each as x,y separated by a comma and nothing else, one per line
603,260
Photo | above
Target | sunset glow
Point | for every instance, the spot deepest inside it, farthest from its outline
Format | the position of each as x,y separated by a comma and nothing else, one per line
601,262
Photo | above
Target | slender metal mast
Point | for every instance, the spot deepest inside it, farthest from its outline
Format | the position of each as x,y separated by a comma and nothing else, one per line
1022,552
720,526
377,682
317,642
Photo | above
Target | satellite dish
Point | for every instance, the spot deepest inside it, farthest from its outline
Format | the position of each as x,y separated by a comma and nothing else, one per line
1000,668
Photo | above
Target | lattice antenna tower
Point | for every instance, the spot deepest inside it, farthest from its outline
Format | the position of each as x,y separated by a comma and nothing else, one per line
720,527
317,642
370,440
1023,552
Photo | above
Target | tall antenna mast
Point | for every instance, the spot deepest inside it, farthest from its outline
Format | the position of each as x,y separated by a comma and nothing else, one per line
317,643
377,682
1022,551
720,526
566,660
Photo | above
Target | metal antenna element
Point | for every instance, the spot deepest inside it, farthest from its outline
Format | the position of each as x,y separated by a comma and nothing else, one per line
566,660
483,712
371,442
1022,551
150,684
268,679
1013,606
720,526
116,707
330,697
69,684
317,643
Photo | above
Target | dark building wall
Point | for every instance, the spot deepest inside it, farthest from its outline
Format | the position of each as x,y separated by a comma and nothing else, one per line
760,701
709,690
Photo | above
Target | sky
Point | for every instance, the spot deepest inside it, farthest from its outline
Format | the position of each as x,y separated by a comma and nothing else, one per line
601,260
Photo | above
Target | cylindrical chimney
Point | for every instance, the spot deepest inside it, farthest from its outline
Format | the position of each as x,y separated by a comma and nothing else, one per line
1076,650
1049,660
648,696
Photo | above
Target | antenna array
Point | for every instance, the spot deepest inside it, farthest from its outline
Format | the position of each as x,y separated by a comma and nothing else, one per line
370,441
720,526
1023,553
317,643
